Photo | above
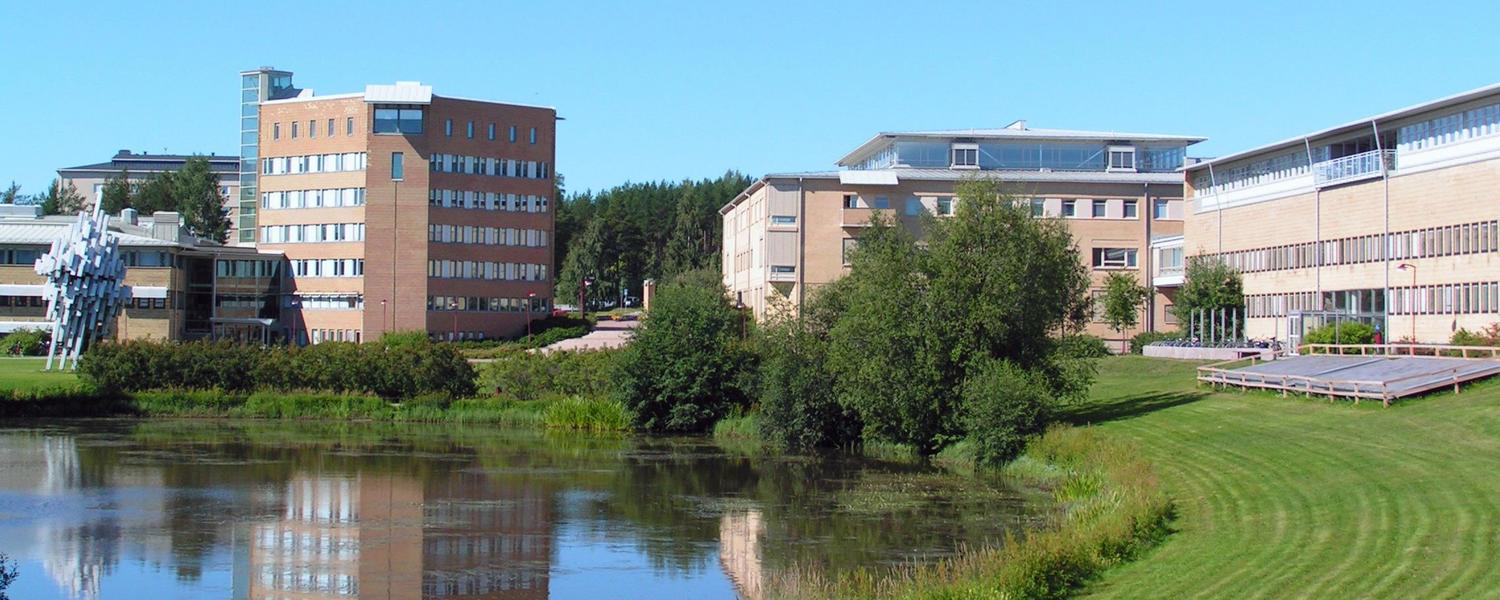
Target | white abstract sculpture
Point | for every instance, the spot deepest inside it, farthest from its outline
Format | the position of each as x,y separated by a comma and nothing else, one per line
84,274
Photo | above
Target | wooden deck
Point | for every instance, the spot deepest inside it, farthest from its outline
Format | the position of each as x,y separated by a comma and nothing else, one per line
1384,372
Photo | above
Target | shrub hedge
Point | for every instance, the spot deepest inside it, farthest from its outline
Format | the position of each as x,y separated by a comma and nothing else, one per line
395,368
1139,341
527,376
26,342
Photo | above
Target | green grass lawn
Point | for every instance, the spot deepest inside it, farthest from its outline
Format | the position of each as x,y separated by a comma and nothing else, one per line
1290,497
26,374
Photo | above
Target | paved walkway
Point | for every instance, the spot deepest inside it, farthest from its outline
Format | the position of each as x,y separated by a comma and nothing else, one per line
606,334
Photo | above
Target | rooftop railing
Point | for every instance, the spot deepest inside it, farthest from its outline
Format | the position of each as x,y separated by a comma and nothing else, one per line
1353,167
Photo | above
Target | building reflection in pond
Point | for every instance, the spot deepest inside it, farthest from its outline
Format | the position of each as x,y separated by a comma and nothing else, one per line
740,534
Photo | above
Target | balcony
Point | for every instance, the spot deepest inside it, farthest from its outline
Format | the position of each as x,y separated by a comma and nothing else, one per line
1355,167
1168,276
860,217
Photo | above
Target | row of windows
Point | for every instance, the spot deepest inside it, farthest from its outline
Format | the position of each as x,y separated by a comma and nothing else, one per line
472,269
497,167
329,198
1448,129
467,584
22,301
489,131
313,163
1274,168
312,232
246,269
503,547
312,128
18,256
1114,258
487,201
941,205
318,336
1028,156
328,267
493,236
398,120
324,301
483,304
327,543
308,580
1442,299
1467,238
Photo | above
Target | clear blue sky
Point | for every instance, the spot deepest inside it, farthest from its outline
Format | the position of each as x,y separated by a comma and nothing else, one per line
670,90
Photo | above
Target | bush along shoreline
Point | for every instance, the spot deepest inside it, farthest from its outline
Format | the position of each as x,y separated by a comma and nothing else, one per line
1111,508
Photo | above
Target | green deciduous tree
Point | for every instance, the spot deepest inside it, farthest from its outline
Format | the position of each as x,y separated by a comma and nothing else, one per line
1123,297
991,284
1208,285
686,365
799,404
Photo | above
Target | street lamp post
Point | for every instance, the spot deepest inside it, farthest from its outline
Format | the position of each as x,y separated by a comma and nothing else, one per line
1411,304
582,294
382,315
530,302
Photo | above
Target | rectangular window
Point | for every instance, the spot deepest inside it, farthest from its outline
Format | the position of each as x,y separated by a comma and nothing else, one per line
1038,207
397,121
1159,209
471,130
913,207
276,131
945,206
881,202
851,200
849,245
965,156
1121,158
1130,209
398,166
1099,209
294,130
1070,208
331,130
512,133
349,126
1114,258
492,132
783,269
312,129
783,220
448,127
533,135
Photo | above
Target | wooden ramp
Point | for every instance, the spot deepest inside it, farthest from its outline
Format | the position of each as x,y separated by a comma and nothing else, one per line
1382,377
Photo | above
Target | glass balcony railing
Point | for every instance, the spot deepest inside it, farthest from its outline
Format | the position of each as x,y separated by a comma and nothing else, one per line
1353,167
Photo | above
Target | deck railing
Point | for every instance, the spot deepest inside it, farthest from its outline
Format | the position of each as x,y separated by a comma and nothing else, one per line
1353,167
1219,373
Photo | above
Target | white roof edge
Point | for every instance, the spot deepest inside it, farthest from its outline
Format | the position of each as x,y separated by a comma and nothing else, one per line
401,92
312,98
1040,134
1399,113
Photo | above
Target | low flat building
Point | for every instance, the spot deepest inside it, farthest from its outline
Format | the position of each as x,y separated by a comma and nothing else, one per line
177,286
1390,220
789,233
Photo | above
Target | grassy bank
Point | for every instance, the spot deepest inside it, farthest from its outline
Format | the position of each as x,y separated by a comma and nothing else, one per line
1110,508
26,374
1303,498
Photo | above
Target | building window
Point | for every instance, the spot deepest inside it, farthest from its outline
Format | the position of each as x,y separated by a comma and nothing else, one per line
492,132
1130,209
1159,209
398,166
331,130
1038,207
913,206
783,220
851,200
312,129
881,202
849,245
1169,317
448,127
1070,208
945,206
1114,258
349,126
512,133
1100,209
398,120
294,130
471,130
783,269
965,156
276,131
1121,158
533,135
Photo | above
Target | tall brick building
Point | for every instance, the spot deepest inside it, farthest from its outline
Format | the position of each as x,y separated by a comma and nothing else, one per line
401,210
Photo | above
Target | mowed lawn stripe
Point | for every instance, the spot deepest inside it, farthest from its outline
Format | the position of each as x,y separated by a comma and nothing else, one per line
1297,497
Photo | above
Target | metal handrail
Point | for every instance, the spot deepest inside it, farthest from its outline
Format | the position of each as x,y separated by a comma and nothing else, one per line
1402,349
1353,166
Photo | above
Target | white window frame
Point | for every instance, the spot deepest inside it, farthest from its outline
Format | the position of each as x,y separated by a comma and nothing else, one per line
953,153
1123,150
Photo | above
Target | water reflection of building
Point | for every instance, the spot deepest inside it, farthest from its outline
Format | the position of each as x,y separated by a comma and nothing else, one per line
740,534
385,536
341,537
484,539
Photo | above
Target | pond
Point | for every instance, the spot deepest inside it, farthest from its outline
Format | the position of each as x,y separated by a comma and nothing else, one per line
253,509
